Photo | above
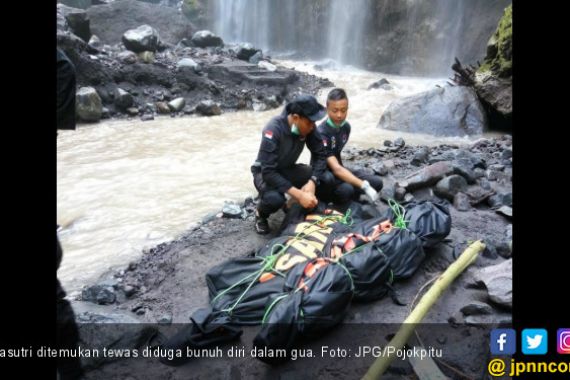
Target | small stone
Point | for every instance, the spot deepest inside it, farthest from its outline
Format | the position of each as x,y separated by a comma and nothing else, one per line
165,319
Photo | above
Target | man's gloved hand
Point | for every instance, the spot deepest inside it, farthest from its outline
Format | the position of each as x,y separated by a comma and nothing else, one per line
369,191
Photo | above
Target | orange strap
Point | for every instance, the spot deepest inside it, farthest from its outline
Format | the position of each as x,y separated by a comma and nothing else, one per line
347,242
310,270
266,277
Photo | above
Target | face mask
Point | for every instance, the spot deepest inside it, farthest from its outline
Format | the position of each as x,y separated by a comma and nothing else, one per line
332,124
295,130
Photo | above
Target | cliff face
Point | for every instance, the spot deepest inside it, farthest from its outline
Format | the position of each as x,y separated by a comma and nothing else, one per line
499,58
493,80
396,36
417,37
423,37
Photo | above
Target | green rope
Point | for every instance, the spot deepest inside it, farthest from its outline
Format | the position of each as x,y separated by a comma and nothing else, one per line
399,214
348,273
347,218
270,260
271,306
268,264
233,286
344,219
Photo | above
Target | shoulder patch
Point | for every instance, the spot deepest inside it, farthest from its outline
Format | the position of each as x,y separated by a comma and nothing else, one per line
268,134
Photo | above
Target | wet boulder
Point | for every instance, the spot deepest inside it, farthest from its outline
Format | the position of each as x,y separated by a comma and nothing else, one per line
76,20
88,105
188,62
205,38
208,108
428,176
127,57
449,111
245,51
111,21
123,99
382,83
448,187
143,38
177,104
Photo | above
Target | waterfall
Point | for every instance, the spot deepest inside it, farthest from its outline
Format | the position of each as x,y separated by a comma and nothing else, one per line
283,26
243,21
345,30
402,36
451,15
285,37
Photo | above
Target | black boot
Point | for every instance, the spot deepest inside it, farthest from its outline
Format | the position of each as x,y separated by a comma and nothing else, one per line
261,224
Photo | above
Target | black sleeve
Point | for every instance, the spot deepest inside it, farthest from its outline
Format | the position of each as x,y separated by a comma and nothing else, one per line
65,92
58,252
318,152
269,159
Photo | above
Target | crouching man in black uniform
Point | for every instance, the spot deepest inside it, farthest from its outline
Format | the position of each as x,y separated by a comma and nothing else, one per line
275,172
340,184
67,333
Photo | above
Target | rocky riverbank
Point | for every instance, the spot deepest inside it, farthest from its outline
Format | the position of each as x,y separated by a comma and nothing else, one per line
135,59
166,285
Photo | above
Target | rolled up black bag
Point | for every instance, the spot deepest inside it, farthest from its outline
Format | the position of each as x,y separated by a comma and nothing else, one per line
403,249
430,221
313,302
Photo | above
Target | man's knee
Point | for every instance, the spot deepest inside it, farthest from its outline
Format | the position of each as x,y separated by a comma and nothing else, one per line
270,202
326,187
327,178
340,191
343,192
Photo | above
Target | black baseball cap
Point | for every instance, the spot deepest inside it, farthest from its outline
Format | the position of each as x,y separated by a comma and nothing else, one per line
307,106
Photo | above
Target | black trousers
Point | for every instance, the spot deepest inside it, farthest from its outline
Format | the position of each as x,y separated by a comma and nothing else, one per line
367,175
339,192
67,335
334,190
271,199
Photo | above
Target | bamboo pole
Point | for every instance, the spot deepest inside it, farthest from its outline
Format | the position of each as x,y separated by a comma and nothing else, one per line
455,269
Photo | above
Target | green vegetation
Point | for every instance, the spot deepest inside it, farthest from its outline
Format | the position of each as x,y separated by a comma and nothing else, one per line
192,9
499,59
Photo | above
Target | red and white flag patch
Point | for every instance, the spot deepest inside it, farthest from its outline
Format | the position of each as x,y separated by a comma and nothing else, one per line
268,134
325,142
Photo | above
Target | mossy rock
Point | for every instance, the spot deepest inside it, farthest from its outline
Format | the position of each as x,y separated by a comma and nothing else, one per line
499,59
193,9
